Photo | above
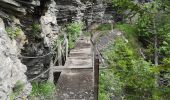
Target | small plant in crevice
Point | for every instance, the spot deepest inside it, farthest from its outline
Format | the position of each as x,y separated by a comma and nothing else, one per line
43,90
17,90
35,29
13,32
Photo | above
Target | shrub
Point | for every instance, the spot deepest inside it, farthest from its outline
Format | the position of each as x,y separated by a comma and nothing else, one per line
73,31
13,32
128,74
130,33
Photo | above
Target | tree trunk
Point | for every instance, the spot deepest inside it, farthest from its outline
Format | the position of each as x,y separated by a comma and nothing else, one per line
156,58
155,43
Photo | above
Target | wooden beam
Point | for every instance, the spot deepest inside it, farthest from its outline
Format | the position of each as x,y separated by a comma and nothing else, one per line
96,76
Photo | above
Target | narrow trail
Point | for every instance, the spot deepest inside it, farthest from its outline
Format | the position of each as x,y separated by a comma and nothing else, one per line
76,83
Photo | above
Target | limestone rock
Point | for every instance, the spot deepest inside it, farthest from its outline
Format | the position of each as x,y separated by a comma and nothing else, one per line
11,68
49,24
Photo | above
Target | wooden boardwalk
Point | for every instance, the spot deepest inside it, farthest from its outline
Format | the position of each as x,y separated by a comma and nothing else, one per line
76,78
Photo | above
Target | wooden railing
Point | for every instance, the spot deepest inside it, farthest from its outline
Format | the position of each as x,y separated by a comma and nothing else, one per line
61,52
57,62
97,59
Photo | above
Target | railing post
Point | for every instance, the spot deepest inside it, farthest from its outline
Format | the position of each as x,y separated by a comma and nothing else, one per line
59,54
66,48
96,75
51,77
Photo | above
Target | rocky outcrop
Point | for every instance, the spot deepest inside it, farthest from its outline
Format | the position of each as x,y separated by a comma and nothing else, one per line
11,69
17,7
70,11
50,28
42,43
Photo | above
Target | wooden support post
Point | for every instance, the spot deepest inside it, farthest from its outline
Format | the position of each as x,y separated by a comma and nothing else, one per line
66,48
51,77
59,54
96,76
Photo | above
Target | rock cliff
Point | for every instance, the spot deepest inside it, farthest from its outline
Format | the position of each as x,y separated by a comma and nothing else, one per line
11,69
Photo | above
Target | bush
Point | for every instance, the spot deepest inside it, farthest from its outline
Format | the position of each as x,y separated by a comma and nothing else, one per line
128,74
13,32
73,31
130,33
126,28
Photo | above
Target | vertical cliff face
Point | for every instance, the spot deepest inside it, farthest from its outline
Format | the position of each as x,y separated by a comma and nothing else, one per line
11,69
13,36
50,28
39,23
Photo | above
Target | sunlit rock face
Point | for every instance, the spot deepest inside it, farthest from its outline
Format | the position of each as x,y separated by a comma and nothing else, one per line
11,69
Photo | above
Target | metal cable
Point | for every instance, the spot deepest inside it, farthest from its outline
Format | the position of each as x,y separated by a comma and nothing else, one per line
27,57
39,75
52,52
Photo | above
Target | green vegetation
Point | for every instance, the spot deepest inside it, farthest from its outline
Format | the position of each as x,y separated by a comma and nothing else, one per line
129,73
59,39
125,9
73,31
17,90
13,32
134,74
130,33
104,27
43,90
35,29
87,33
129,30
